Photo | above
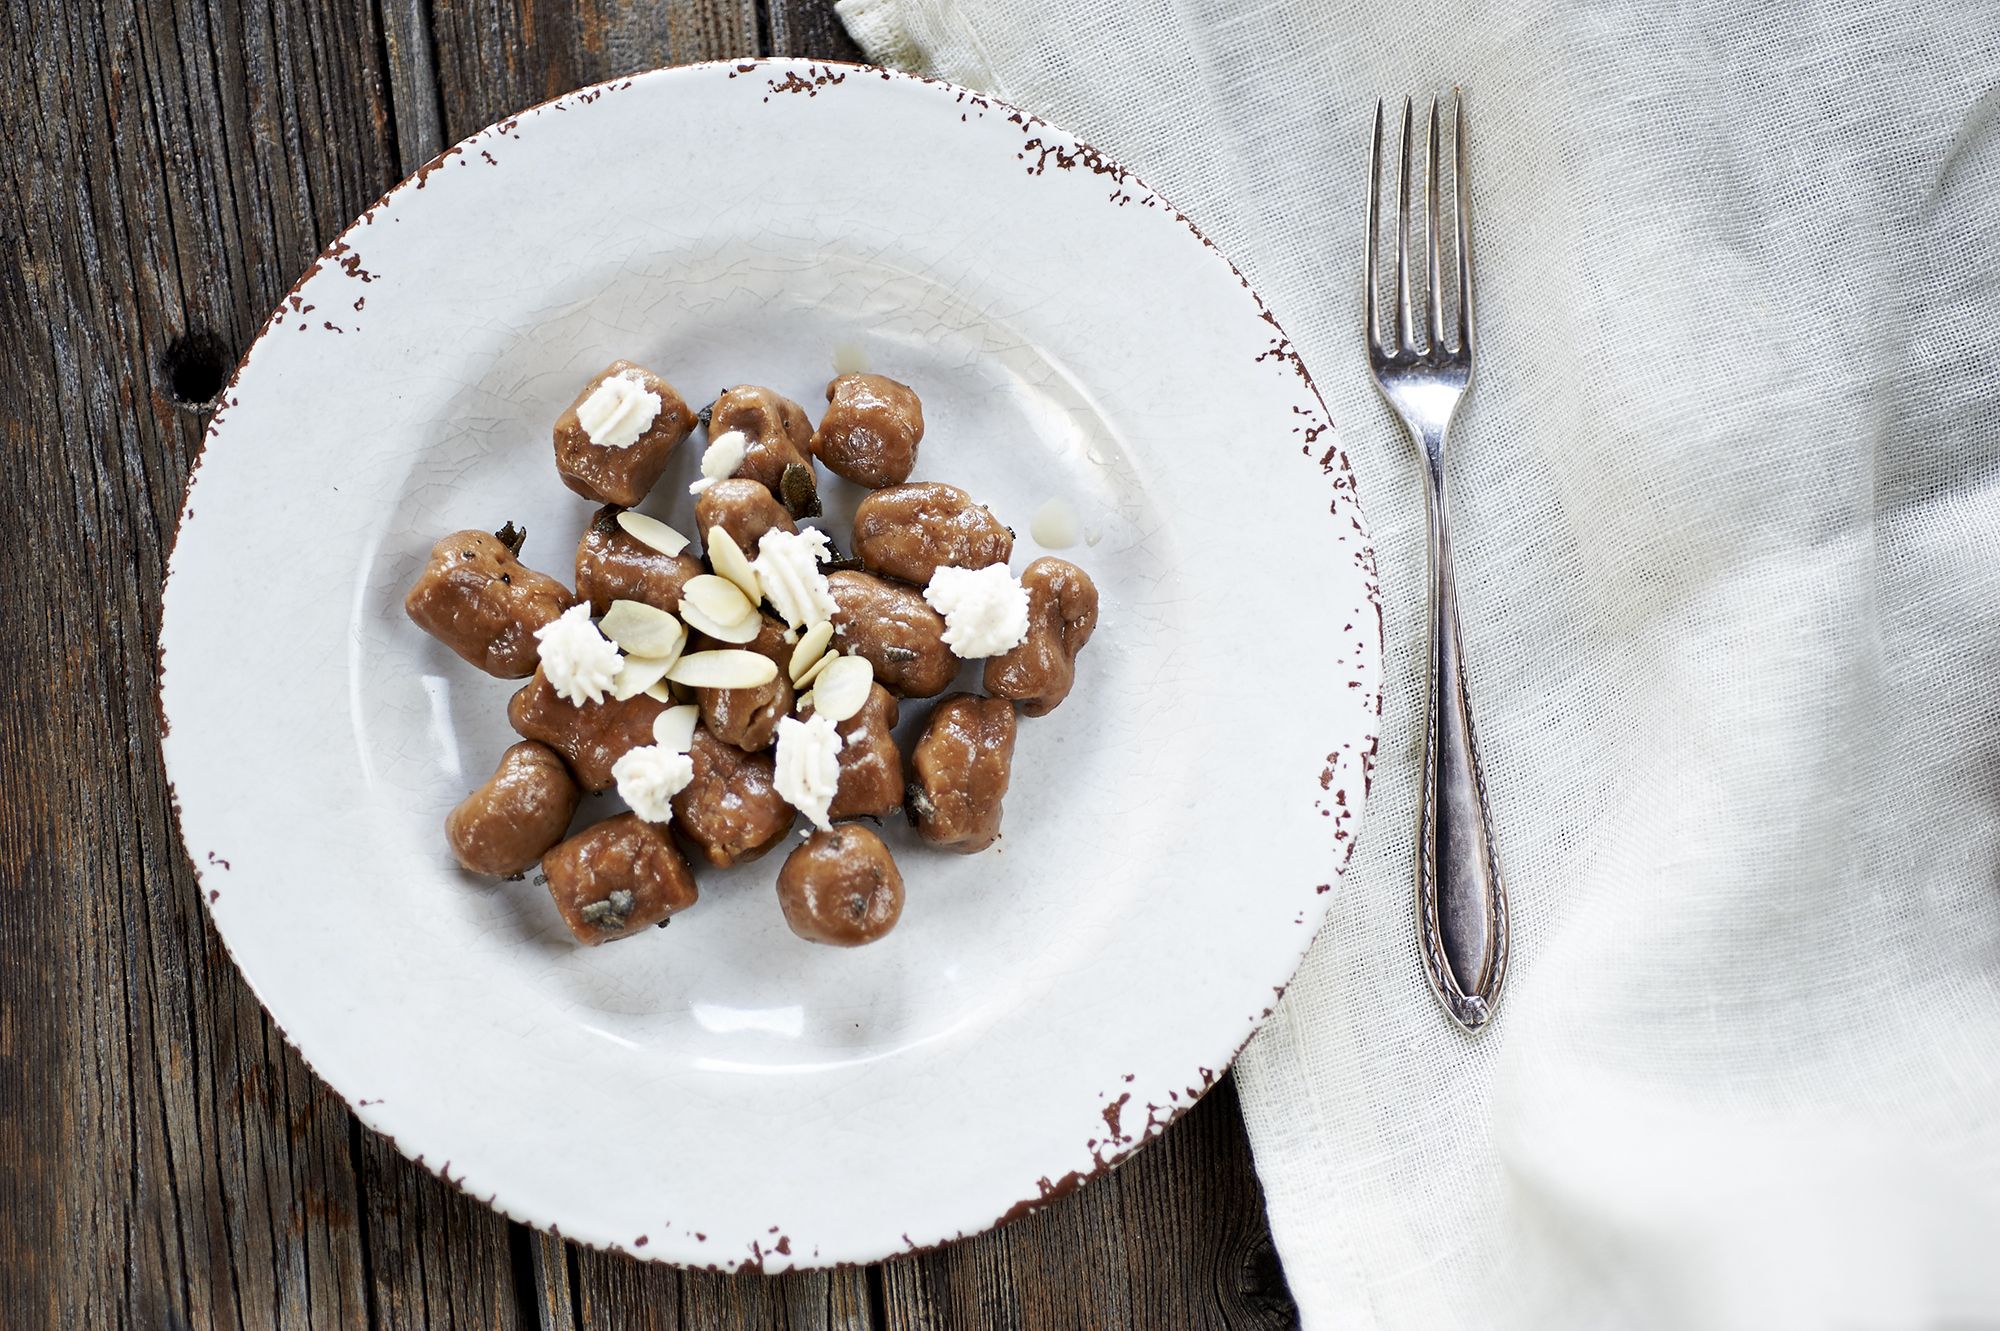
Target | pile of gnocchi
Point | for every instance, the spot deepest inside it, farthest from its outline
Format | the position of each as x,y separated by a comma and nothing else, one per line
726,695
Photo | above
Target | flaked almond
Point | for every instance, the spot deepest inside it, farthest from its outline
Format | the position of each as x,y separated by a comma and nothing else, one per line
723,670
642,630
658,691
810,649
718,598
743,630
673,729
652,532
815,670
728,559
636,674
843,687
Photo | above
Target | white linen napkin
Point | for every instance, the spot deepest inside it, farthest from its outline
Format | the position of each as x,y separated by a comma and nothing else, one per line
1728,506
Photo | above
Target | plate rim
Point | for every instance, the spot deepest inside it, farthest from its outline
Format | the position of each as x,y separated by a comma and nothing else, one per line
809,75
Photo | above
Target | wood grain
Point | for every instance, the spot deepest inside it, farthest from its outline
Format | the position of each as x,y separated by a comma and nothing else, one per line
497,56
809,28
166,1160
186,1168
1176,1237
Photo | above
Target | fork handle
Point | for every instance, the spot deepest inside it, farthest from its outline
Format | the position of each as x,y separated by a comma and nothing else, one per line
1461,901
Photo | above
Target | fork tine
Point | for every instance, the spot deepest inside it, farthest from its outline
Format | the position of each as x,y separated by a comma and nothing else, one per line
1370,299
1461,192
1434,299
1404,333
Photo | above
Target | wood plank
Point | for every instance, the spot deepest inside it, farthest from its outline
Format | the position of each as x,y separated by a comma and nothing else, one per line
1198,1235
440,1259
834,1300
184,1167
416,109
579,1289
1176,1236
547,1260
496,56
810,28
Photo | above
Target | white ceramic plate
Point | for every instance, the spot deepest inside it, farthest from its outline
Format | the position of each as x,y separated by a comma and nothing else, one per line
721,1093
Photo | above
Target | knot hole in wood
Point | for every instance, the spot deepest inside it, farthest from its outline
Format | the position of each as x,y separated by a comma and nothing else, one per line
194,369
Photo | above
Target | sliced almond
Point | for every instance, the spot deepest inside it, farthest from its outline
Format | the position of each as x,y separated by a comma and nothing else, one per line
673,729
815,670
642,630
718,598
803,704
810,649
652,532
658,691
726,557
743,630
636,674
843,687
723,670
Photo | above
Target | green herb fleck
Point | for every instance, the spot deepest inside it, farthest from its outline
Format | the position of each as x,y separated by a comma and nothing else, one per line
610,913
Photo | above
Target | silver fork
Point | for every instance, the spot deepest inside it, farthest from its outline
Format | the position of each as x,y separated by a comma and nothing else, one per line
1461,901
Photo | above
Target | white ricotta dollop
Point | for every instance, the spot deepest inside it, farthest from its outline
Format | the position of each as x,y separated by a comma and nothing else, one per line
618,413
985,609
580,662
649,777
721,458
787,566
808,761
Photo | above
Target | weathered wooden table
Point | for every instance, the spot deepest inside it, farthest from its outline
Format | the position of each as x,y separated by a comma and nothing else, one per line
166,1160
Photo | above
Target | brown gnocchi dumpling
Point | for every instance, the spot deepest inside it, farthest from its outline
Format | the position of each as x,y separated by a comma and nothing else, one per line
870,431
618,877
748,718
476,597
731,810
911,531
613,565
962,764
871,766
744,508
893,627
778,436
841,888
637,420
591,735
1062,614
524,808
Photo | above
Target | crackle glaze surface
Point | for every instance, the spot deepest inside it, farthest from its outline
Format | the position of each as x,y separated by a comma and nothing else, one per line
721,1093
